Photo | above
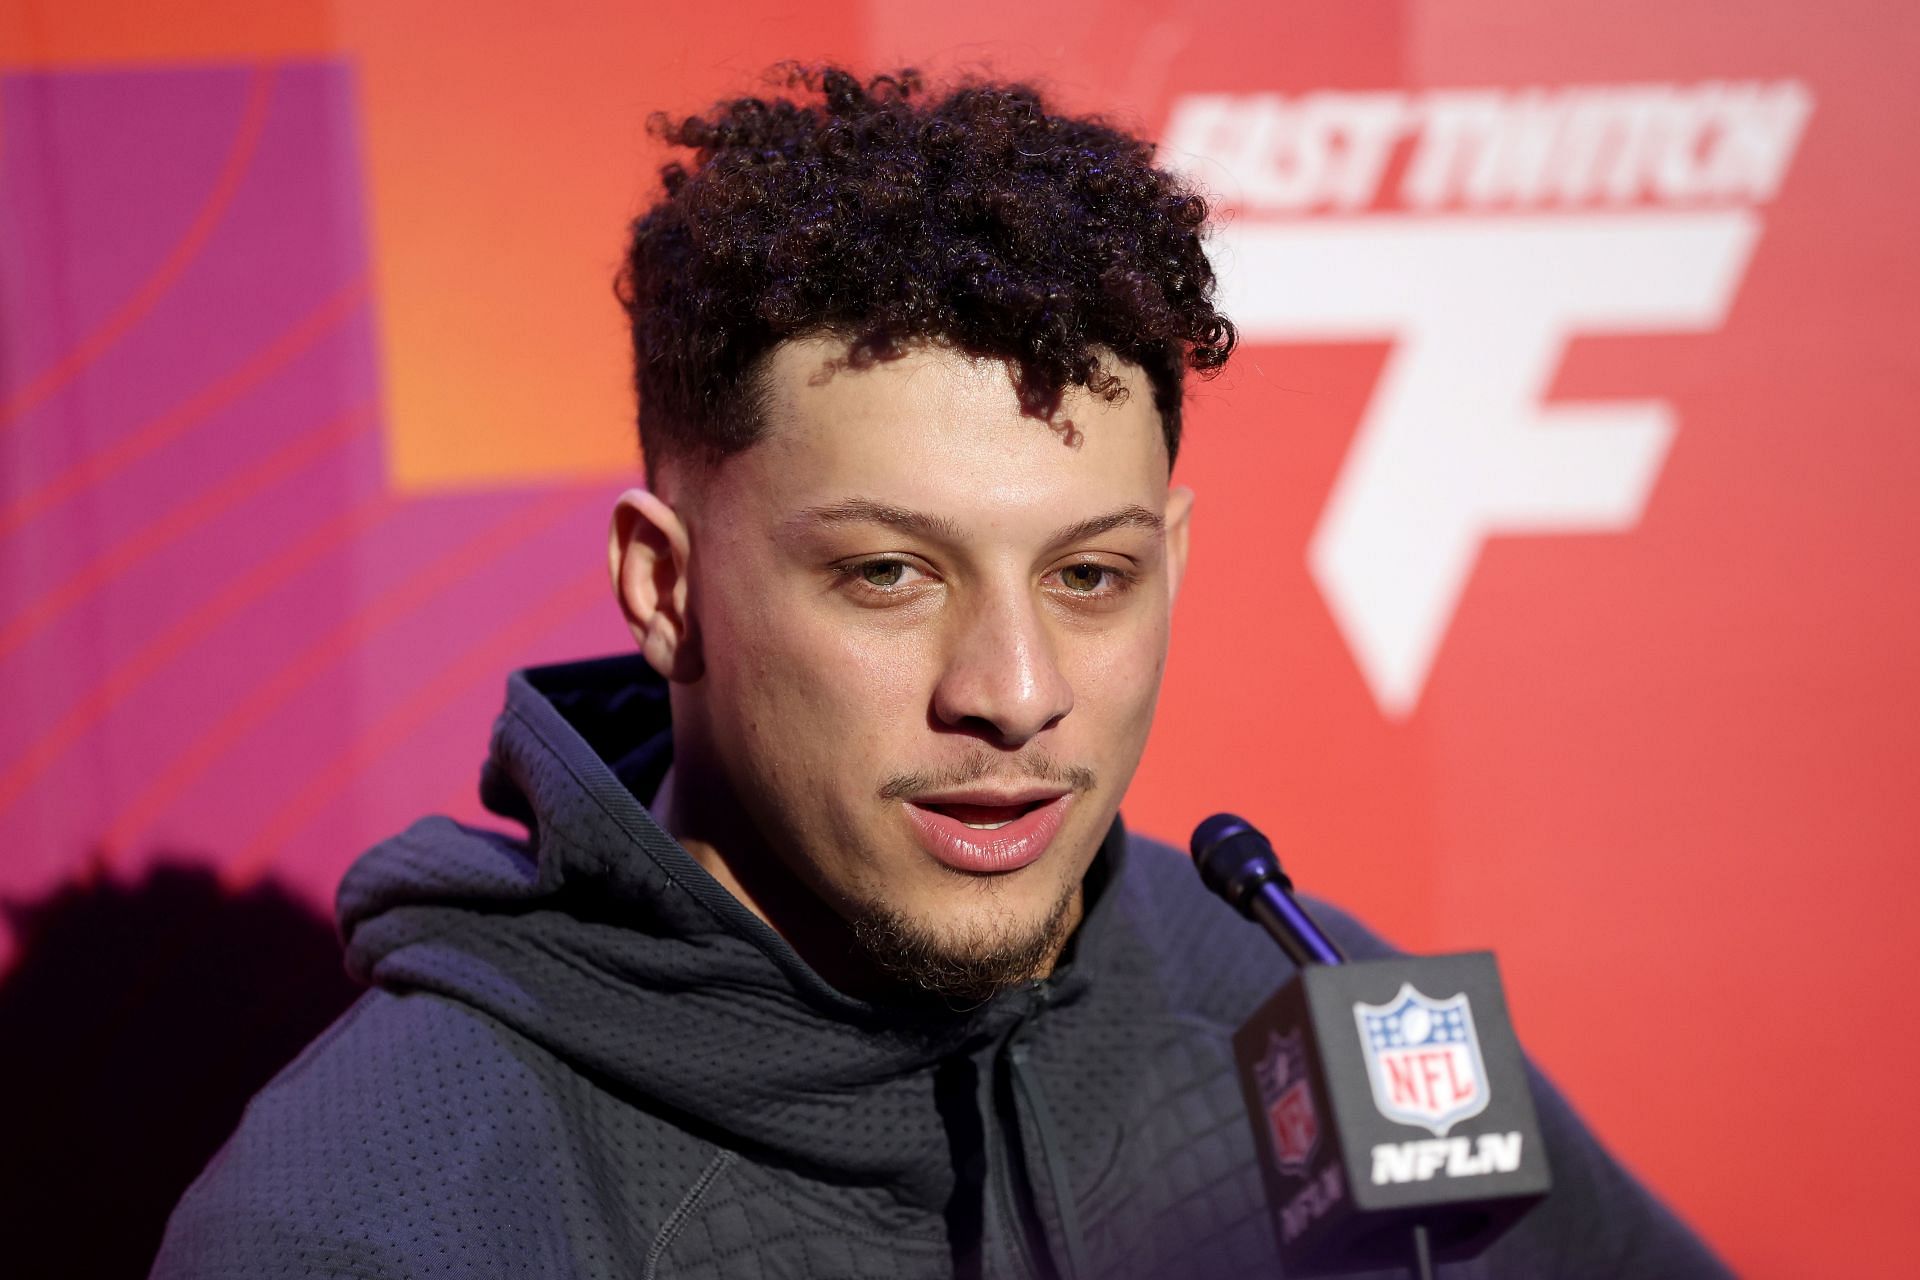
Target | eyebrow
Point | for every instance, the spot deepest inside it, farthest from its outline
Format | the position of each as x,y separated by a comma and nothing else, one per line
1132,516
866,511
940,528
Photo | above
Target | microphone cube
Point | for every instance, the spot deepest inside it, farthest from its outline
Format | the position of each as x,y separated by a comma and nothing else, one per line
1385,1094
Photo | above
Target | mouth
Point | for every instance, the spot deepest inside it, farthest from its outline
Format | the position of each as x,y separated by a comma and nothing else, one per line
988,835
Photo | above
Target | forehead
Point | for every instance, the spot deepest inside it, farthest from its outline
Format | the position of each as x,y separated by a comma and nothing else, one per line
938,430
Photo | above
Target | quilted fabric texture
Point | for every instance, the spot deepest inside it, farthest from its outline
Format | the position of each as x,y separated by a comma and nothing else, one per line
582,1057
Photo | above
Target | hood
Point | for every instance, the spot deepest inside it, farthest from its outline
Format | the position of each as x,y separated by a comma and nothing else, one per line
597,937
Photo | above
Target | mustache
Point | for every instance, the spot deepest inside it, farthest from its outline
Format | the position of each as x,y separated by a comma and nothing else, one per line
1036,766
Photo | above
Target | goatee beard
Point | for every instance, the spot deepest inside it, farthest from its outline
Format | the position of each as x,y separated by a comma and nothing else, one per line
967,970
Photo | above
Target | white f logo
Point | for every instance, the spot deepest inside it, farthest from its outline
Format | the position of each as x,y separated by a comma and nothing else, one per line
1455,445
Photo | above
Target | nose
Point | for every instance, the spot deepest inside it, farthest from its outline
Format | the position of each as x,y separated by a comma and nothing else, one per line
1002,679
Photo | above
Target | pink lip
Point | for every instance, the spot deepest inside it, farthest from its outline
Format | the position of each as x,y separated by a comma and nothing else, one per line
1007,848
986,796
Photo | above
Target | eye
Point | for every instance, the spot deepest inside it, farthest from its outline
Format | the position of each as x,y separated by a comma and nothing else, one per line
882,579
1085,579
882,573
1089,582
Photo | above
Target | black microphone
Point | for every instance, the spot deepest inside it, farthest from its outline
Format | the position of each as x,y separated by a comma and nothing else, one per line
1390,1101
1237,863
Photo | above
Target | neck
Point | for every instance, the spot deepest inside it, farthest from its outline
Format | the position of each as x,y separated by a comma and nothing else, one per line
713,829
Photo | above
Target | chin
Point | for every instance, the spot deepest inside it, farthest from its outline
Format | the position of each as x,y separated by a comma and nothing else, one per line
975,953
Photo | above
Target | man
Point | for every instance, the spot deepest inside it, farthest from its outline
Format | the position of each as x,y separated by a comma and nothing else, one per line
854,971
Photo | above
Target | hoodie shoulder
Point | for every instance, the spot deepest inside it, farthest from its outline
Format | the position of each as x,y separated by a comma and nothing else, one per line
417,1131
1213,961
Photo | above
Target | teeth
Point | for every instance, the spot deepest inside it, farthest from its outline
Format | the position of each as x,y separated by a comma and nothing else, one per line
988,826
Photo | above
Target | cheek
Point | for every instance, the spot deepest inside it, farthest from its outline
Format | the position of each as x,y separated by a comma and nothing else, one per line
1118,672
811,682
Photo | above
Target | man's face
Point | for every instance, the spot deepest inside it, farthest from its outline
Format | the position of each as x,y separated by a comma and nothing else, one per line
931,632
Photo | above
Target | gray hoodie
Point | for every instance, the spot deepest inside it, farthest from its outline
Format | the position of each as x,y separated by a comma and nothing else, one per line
582,1057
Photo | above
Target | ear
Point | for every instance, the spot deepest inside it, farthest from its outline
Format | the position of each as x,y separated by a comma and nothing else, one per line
1179,514
647,552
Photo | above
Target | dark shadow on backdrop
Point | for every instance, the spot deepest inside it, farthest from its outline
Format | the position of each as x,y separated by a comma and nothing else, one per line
136,1024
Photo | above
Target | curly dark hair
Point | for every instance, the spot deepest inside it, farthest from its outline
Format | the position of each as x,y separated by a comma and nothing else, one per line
883,217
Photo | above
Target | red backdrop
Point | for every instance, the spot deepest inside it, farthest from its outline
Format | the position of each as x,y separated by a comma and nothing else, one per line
1554,557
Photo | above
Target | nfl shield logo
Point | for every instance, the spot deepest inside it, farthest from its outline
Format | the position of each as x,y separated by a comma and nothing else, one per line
1288,1101
1423,1059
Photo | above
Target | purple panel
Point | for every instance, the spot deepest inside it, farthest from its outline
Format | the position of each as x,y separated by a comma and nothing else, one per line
209,598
